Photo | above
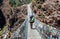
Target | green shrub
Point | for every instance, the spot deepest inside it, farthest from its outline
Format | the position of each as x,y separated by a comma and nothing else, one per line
14,3
28,1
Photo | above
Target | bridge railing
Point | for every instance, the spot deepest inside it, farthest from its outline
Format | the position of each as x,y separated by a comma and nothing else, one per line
44,29
21,32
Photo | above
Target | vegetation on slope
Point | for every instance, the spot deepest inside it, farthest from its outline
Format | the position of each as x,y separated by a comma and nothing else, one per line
15,3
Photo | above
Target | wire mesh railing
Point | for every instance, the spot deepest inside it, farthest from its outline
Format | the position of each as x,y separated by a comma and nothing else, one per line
47,30
21,32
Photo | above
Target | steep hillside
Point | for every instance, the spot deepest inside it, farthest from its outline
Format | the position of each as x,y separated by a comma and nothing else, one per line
13,13
47,11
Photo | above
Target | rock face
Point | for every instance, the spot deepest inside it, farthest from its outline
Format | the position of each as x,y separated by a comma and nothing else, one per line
13,15
48,11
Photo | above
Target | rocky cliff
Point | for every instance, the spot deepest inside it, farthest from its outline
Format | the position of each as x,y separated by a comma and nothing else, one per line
47,11
13,11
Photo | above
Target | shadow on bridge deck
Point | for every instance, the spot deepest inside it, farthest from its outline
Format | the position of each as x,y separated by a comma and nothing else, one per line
33,33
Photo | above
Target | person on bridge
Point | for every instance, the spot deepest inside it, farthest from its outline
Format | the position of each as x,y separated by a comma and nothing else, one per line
32,19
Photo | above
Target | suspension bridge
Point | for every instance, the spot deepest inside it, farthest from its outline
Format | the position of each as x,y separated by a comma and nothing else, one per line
25,32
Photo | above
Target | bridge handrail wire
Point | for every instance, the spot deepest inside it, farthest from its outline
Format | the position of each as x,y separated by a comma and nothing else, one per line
19,29
37,23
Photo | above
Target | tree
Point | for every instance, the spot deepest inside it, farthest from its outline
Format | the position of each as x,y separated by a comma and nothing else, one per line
12,2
